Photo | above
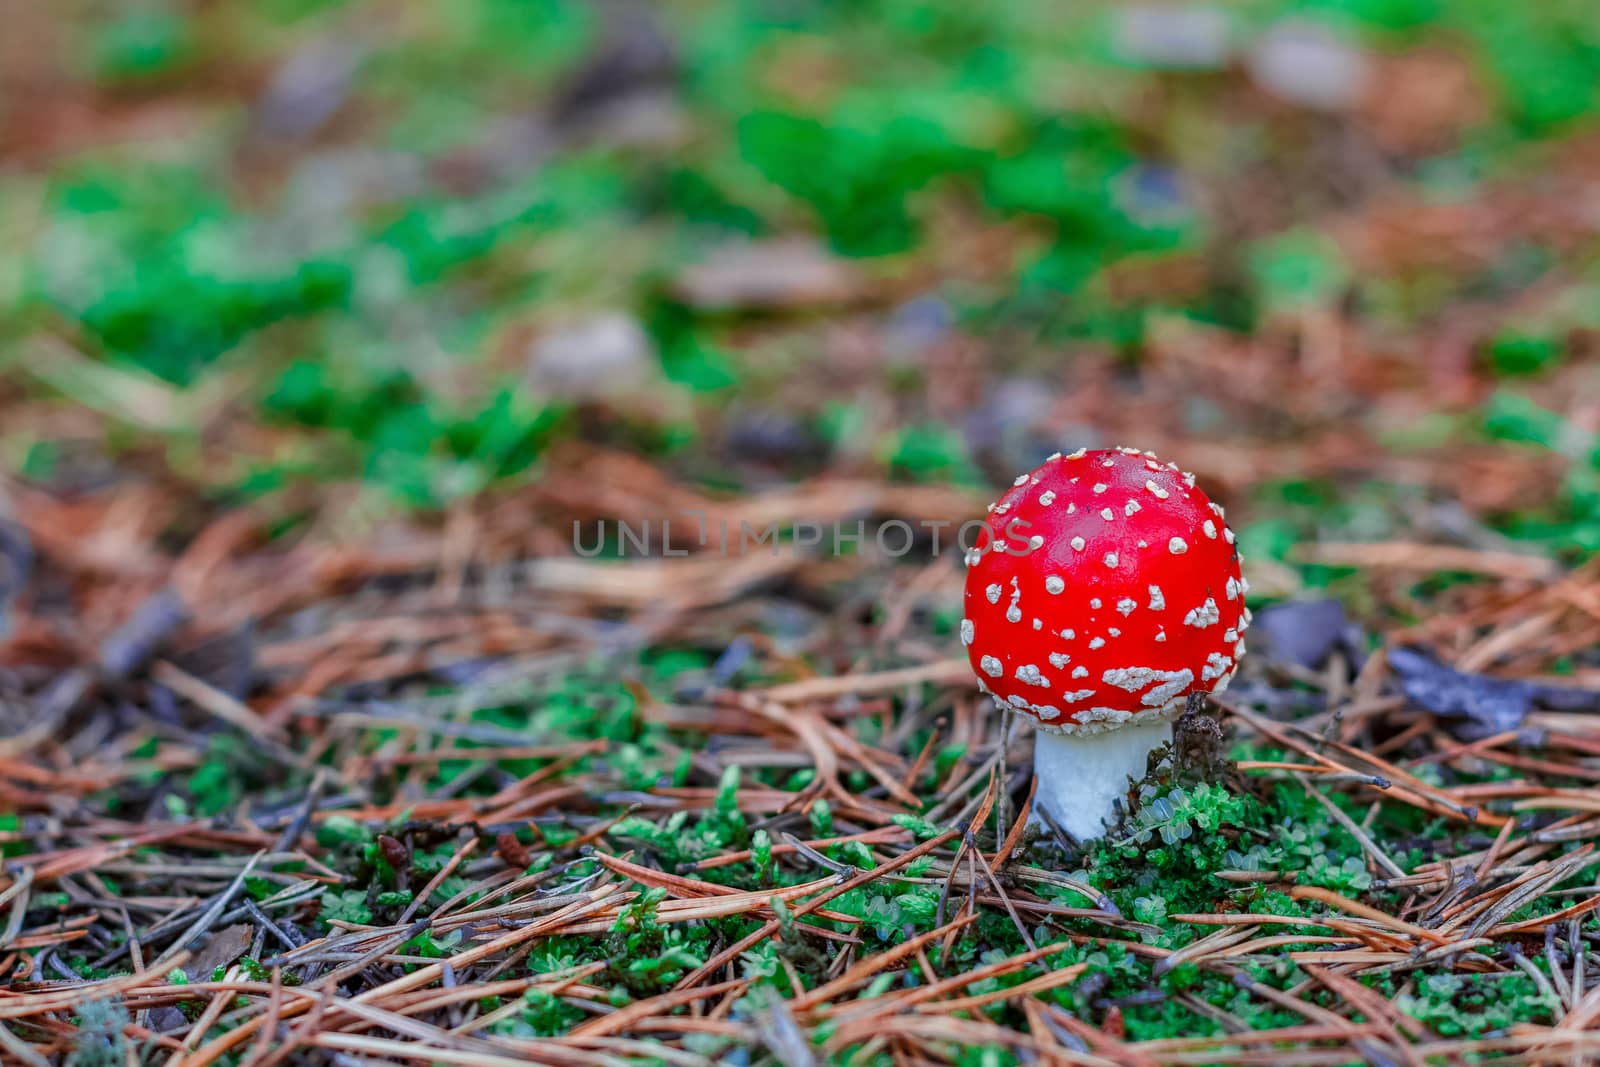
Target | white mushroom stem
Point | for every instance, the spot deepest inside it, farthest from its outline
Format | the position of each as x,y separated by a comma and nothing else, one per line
1083,777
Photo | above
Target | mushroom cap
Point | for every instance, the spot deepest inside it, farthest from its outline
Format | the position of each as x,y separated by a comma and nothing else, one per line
1106,591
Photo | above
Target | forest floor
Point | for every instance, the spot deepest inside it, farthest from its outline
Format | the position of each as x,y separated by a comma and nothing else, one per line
331,331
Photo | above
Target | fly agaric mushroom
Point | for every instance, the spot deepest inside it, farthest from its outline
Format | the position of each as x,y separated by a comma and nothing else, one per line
1108,590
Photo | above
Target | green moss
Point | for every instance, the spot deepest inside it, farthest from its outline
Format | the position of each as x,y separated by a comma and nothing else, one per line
1519,355
1471,1005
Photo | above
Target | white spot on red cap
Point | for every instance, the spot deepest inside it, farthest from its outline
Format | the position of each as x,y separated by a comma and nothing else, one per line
992,592
1054,585
991,666
1126,605
1047,497
1059,660
1173,687
1077,544
1029,674
1210,529
1156,490
1130,508
1177,546
1133,679
1098,642
1204,615
1111,560
1101,487
967,631
1216,666
1158,599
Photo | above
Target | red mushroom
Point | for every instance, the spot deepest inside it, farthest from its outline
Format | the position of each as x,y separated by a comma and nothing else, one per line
1107,591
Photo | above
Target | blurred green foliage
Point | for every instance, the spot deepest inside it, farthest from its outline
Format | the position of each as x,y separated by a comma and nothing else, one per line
370,287
483,171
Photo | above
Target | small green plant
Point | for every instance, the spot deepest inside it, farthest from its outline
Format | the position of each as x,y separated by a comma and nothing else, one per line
1470,1005
347,905
1175,840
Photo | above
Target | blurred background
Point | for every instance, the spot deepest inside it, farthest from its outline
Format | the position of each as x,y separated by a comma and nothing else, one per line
325,327
371,267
